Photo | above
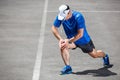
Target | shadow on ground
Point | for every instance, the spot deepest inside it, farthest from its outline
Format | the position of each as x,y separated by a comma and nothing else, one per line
101,72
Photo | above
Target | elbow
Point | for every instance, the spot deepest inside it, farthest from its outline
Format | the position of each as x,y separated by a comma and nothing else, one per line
80,35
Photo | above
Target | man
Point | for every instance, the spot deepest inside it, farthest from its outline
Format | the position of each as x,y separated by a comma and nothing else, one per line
77,36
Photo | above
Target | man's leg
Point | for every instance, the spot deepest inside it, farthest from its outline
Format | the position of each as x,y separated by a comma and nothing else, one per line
66,58
97,53
65,53
100,54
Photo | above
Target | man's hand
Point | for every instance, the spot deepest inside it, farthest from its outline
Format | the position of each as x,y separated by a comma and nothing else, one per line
63,43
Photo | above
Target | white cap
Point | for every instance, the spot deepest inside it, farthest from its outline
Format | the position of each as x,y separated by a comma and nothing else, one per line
63,11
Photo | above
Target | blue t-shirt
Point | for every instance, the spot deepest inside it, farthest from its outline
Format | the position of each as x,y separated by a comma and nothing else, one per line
72,25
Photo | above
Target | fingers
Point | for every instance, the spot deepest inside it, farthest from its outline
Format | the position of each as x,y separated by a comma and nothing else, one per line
63,44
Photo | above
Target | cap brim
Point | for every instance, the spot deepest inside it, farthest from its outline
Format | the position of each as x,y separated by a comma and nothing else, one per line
60,17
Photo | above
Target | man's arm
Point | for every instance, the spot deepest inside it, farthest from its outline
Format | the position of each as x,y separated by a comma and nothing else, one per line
78,36
62,42
56,33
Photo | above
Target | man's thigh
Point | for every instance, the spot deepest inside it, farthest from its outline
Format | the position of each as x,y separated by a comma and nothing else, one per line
72,46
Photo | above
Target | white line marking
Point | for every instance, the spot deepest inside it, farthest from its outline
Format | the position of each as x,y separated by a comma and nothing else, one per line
36,72
89,11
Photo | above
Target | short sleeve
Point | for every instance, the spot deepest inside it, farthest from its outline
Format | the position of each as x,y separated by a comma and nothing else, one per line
57,22
80,21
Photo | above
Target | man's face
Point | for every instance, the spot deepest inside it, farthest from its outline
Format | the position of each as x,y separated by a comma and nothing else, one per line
68,15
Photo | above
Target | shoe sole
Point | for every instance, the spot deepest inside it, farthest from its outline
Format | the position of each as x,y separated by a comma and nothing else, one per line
108,66
69,72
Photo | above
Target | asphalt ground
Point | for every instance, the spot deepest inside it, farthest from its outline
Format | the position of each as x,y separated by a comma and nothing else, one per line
28,47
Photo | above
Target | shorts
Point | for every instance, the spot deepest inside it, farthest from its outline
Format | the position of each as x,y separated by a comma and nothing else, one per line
87,48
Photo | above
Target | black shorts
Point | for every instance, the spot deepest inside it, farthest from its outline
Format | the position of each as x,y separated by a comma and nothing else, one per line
87,47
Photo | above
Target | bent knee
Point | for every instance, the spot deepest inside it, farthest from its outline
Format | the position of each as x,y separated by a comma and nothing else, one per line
94,55
99,51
